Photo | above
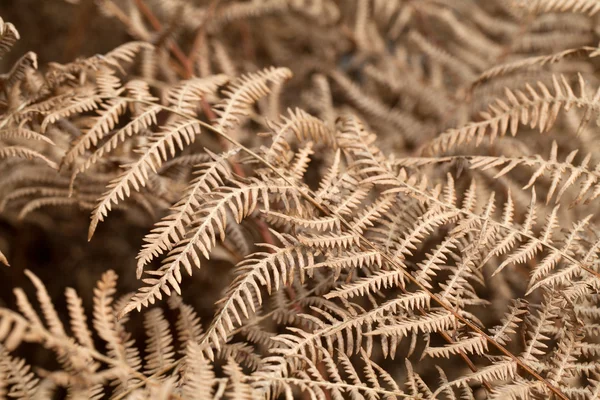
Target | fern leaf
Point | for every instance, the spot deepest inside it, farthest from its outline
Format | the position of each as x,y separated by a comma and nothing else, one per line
106,325
50,314
338,377
106,120
238,387
74,105
433,263
8,37
13,329
528,250
500,370
472,345
19,70
4,260
589,7
262,269
372,284
303,126
188,325
159,348
331,241
244,92
198,376
26,153
127,52
79,324
162,145
299,342
211,220
530,62
186,96
433,322
171,229
352,260
372,106
552,259
137,125
319,224
537,108
23,383
25,133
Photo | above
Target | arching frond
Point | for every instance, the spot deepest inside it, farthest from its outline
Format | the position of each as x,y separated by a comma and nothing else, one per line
8,37
162,145
269,270
244,92
173,227
210,221
537,108
186,96
589,7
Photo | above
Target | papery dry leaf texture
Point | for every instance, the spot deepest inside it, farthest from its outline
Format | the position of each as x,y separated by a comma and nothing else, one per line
324,199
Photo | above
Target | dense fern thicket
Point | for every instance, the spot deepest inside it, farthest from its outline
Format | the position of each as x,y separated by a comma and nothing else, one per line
299,199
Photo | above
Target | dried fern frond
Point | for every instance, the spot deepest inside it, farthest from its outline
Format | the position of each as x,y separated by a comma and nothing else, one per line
209,222
26,153
589,7
338,376
355,227
562,176
122,361
19,70
173,227
8,37
536,108
530,62
162,145
243,93
261,269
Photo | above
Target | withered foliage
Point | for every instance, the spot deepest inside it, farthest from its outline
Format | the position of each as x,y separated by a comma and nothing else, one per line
392,198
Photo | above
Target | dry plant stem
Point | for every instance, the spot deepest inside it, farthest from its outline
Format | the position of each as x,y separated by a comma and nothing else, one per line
200,35
173,46
309,196
247,46
78,29
125,20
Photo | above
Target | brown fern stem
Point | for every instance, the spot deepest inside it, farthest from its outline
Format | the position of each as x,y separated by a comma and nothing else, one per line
78,29
124,19
173,46
200,35
247,45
